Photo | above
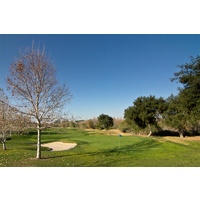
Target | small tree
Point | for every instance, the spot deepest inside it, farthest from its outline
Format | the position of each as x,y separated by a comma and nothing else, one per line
105,121
21,122
5,117
32,81
90,123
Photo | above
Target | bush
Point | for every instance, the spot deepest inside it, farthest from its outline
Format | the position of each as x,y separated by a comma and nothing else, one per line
83,125
90,124
105,122
124,127
72,124
117,122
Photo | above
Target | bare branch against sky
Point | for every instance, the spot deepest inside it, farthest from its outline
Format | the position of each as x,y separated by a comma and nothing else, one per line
33,84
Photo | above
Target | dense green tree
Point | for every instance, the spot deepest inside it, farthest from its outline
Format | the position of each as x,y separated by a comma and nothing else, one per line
184,109
145,112
176,117
105,121
189,76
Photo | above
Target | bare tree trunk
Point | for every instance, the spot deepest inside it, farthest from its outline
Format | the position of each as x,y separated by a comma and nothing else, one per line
3,140
4,144
29,84
38,142
150,132
181,134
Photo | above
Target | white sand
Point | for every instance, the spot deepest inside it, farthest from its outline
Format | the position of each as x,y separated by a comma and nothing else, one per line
59,146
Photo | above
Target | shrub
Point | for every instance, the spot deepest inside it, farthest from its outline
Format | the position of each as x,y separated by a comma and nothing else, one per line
105,122
72,124
90,124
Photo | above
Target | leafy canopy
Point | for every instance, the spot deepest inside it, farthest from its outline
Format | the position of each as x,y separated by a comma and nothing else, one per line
189,76
184,109
105,121
145,111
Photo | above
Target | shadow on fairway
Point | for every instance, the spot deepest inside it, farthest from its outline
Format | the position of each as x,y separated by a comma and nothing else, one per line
137,147
166,133
174,133
43,133
60,156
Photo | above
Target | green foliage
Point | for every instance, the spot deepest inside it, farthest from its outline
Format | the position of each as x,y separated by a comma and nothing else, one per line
184,109
176,117
105,122
145,112
82,125
72,124
189,75
124,127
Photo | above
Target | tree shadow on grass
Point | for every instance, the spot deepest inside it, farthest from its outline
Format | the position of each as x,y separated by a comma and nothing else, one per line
60,156
137,147
43,133
166,133
174,133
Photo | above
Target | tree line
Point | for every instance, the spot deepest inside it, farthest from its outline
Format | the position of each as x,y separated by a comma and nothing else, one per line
179,112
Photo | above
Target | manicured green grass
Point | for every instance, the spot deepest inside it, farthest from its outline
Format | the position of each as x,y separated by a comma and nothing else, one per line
97,150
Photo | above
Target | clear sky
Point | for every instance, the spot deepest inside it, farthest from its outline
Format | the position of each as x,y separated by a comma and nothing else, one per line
106,73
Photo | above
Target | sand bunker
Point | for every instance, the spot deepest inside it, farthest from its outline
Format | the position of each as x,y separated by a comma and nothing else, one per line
59,146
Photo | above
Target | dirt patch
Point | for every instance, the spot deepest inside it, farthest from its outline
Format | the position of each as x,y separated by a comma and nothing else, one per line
176,140
59,146
108,132
180,140
117,132
193,138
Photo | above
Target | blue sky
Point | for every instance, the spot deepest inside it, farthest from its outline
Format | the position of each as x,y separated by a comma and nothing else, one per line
106,73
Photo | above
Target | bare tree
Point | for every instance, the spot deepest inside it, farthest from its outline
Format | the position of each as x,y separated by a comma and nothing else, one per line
32,82
21,123
5,118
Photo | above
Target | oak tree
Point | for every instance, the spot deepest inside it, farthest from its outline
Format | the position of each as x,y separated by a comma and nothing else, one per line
145,112
184,109
105,121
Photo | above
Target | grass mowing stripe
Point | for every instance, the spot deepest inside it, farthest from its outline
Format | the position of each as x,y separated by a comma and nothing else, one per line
97,150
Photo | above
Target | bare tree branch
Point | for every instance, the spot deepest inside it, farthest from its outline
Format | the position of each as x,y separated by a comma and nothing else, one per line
32,82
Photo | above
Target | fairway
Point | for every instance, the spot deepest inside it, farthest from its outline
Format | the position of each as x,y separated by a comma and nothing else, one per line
100,150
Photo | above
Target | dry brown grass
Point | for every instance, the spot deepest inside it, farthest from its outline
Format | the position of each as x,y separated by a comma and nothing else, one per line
108,132
165,138
179,139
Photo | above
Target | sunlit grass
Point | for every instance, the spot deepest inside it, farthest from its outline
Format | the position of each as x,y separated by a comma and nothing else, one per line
97,150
